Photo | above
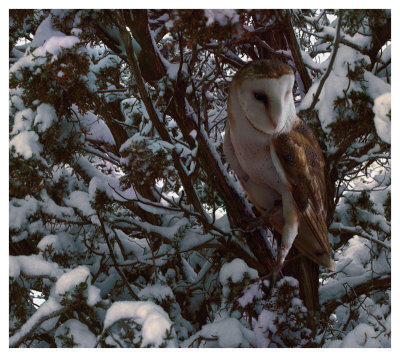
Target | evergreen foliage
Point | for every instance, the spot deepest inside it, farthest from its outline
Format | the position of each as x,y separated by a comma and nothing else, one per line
124,214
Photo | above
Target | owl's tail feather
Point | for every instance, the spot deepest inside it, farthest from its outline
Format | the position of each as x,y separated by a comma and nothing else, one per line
307,273
298,265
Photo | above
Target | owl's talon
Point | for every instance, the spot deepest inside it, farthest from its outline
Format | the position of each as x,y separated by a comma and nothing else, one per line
275,272
283,251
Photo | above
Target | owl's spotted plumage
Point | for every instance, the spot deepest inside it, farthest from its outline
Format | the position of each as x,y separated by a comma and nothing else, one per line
277,158
302,162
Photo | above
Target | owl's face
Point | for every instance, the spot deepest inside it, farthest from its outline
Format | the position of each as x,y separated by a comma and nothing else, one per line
268,103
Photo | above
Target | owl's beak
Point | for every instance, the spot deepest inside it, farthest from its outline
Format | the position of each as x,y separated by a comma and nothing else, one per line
274,122
274,119
275,112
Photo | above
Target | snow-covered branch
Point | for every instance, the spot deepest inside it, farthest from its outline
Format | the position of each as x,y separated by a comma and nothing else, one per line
127,226
332,57
47,311
347,292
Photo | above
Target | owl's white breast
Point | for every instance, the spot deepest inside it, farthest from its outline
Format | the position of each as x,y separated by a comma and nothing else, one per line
252,149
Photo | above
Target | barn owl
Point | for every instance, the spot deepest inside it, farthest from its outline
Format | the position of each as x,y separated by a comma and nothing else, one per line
277,159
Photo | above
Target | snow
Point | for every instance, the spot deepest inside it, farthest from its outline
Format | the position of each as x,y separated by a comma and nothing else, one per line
27,144
50,240
82,336
103,63
386,53
13,270
154,320
221,16
81,201
296,302
76,31
362,336
346,59
309,61
93,295
194,271
52,208
97,184
114,33
382,122
337,288
96,128
20,210
173,69
34,265
154,328
167,232
15,98
264,324
352,269
194,238
333,344
375,86
27,62
46,115
55,44
193,133
156,292
374,314
235,271
287,280
133,245
359,40
227,333
188,270
151,144
71,279
252,292
37,296
354,257
382,67
61,243
338,82
23,121
49,307
45,31
20,236
105,183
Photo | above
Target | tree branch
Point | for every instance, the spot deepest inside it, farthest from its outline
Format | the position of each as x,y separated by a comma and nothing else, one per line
296,53
29,328
366,287
119,271
332,60
358,231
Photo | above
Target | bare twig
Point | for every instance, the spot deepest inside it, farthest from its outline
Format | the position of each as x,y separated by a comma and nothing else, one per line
358,231
331,62
375,284
119,271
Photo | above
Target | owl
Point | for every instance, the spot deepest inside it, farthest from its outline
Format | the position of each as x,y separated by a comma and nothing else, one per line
277,159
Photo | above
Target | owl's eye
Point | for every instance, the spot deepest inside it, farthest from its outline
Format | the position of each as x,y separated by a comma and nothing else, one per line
261,97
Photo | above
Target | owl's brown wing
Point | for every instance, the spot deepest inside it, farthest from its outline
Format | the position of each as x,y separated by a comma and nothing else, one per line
302,164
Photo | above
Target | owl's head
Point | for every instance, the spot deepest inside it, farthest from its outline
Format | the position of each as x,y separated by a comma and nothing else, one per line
263,90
